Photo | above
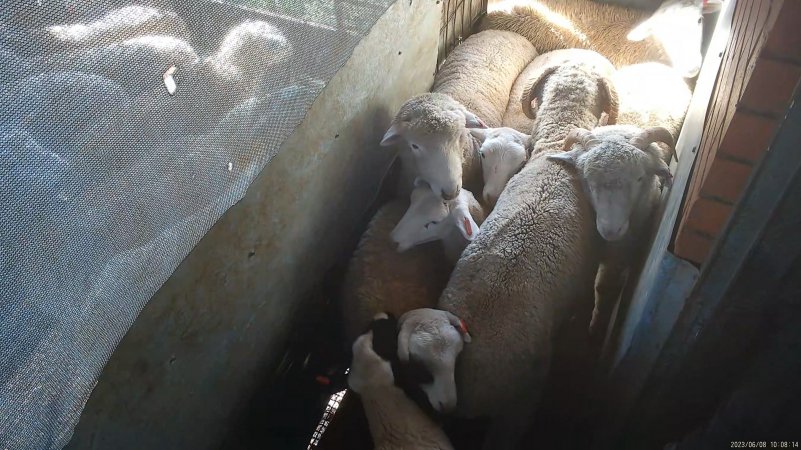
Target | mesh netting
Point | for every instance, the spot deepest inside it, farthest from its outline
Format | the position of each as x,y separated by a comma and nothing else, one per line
107,181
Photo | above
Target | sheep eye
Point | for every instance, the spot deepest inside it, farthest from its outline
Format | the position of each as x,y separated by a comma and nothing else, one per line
433,222
639,179
700,19
482,155
415,146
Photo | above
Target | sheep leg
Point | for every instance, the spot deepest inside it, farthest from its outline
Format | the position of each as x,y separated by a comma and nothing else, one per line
609,282
506,431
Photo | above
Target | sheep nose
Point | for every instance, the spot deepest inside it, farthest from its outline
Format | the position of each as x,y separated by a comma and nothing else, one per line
450,195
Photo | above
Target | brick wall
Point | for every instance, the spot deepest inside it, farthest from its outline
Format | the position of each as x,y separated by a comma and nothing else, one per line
760,71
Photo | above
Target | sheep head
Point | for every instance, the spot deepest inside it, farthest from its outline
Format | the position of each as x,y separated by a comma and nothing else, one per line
607,94
434,338
433,126
616,171
504,151
429,218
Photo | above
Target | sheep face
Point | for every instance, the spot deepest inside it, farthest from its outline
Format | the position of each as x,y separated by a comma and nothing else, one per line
503,153
616,172
432,127
367,368
429,218
434,339
678,26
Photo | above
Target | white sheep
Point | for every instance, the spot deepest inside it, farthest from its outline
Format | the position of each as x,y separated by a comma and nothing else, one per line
532,265
514,117
652,94
436,146
455,222
673,36
207,91
137,63
396,422
66,111
479,73
249,50
392,271
117,25
677,25
623,172
503,152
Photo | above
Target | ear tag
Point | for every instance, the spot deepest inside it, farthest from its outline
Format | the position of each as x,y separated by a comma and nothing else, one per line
462,327
468,228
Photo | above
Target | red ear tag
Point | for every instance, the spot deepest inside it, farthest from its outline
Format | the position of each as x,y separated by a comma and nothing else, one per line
323,380
462,327
467,226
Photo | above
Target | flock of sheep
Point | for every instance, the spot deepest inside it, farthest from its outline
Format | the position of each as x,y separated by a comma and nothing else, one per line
541,176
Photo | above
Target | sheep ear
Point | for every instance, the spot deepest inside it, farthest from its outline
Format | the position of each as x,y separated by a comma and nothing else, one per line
403,340
663,172
529,97
609,100
479,133
392,136
467,226
473,121
641,31
568,157
460,325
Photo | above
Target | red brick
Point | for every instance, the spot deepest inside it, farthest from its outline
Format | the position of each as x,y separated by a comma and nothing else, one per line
726,180
771,87
692,246
785,37
748,136
708,216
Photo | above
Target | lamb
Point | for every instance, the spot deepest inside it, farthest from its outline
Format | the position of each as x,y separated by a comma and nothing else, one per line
503,152
384,278
440,149
652,94
532,265
623,172
396,422
455,222
556,24
480,72
514,117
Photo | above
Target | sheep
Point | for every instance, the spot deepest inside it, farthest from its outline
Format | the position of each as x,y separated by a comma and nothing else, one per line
437,146
678,27
392,271
652,94
249,50
455,222
503,152
532,265
514,116
137,63
556,24
66,111
117,25
480,72
207,91
623,171
395,421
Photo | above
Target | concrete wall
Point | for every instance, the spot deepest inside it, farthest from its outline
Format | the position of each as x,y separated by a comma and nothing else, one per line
217,325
